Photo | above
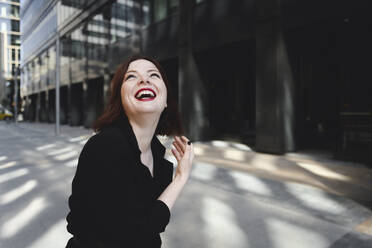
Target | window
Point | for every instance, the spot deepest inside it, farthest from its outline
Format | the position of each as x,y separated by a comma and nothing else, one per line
160,9
15,11
3,11
3,27
173,6
145,12
14,40
73,3
14,69
14,25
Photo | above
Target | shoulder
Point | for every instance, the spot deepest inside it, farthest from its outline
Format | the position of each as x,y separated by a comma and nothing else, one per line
107,141
108,136
105,149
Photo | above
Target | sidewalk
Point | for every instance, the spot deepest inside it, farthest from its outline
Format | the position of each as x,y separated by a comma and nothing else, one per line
234,198
353,180
348,179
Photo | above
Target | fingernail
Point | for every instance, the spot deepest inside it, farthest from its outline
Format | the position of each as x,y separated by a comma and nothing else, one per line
188,142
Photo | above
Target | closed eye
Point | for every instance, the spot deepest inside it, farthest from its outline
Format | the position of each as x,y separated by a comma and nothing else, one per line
129,76
155,74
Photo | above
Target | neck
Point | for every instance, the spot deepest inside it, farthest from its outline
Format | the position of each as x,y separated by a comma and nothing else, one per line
144,127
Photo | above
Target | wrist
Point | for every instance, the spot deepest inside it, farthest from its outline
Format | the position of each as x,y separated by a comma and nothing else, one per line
181,178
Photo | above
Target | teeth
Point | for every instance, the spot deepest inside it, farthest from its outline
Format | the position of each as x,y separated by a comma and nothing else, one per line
143,92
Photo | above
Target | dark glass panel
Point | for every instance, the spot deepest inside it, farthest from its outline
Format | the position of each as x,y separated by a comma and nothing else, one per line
160,9
173,6
14,25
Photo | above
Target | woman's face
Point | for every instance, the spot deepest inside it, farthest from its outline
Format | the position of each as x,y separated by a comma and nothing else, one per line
143,89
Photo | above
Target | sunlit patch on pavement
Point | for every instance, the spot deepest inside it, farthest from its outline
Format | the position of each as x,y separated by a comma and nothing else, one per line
17,192
12,226
44,147
250,183
220,222
8,165
13,174
278,231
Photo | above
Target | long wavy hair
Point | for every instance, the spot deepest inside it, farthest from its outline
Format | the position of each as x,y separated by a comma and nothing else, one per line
169,122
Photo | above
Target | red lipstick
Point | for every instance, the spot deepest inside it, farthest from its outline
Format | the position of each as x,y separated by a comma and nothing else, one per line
147,99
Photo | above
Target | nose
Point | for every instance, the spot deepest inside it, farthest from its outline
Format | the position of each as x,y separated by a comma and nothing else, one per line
143,80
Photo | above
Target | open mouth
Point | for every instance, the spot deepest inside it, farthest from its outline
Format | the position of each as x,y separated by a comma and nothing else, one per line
145,94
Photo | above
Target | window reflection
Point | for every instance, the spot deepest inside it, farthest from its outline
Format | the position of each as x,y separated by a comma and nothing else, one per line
160,9
85,50
173,6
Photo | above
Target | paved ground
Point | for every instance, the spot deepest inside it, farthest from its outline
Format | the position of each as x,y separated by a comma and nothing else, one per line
235,197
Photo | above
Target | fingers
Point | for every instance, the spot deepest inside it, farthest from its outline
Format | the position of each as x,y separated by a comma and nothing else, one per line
184,139
180,145
176,154
183,151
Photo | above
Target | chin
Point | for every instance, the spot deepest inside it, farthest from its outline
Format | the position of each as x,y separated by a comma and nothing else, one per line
149,111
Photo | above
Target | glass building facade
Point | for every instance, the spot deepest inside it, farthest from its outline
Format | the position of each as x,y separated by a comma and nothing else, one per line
10,49
261,72
90,32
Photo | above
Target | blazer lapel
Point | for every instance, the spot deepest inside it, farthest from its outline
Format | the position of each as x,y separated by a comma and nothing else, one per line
157,148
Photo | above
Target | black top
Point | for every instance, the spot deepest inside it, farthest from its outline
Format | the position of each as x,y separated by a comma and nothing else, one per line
114,197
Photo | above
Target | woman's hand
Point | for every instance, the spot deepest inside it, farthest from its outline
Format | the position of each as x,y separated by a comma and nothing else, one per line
184,153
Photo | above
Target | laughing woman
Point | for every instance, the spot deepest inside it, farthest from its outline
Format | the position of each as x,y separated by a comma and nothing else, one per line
124,189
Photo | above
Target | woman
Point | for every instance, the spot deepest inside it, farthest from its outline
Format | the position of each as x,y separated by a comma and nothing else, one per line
123,191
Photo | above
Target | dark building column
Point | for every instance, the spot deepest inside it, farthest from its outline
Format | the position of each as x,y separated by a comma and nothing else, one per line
192,95
43,113
274,83
27,109
106,71
39,102
47,89
63,118
51,105
106,88
93,101
85,103
76,104
47,104
38,106
32,109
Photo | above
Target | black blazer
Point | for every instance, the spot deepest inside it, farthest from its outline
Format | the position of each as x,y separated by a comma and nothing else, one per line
114,197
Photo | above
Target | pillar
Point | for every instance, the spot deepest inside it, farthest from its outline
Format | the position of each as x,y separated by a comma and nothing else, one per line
274,83
192,95
76,104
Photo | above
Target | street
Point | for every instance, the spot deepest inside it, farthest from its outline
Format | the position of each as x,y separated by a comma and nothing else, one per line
238,199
